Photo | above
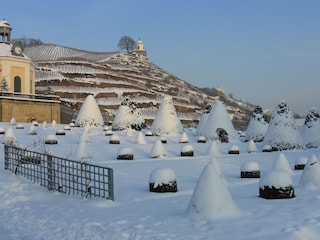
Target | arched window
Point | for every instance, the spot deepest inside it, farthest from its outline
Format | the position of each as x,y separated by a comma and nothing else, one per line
17,84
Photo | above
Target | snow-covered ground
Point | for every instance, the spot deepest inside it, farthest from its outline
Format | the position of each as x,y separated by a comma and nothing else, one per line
30,211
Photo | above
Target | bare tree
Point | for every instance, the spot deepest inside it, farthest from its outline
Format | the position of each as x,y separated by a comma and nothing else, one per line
126,43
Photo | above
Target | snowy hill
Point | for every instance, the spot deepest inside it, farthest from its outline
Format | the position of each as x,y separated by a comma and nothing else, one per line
113,76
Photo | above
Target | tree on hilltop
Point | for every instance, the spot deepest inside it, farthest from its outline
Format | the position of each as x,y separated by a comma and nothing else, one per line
126,43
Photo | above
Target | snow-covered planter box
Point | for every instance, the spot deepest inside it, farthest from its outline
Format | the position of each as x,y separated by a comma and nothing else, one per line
187,151
67,127
106,128
60,132
108,132
51,139
2,131
163,180
72,124
276,184
148,133
114,139
300,163
19,126
202,139
35,123
250,170
125,154
266,148
234,149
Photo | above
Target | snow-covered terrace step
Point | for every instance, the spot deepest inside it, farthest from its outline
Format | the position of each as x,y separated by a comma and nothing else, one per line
51,52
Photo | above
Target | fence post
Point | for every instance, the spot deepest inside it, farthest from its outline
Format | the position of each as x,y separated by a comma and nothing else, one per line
110,183
50,173
6,156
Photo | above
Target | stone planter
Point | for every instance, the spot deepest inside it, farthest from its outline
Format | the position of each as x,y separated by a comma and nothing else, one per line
125,154
114,139
266,148
234,150
250,170
108,132
187,151
60,132
163,180
51,139
276,184
201,139
300,163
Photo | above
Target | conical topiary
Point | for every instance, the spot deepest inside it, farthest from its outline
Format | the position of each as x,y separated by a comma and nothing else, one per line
219,119
310,130
89,114
283,132
166,121
257,126
211,198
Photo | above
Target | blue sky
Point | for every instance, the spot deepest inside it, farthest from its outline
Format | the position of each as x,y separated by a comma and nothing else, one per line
260,51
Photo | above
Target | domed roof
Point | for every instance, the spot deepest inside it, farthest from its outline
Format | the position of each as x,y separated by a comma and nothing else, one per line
4,23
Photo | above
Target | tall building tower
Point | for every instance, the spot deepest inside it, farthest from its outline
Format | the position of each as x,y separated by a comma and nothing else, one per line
17,84
5,31
140,48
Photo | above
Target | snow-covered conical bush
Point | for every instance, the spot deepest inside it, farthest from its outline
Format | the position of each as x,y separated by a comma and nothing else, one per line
184,138
218,118
13,121
84,137
82,153
140,138
9,137
283,132
252,148
211,198
166,120
128,116
158,150
213,149
89,114
282,163
203,119
310,177
32,130
53,123
257,126
310,130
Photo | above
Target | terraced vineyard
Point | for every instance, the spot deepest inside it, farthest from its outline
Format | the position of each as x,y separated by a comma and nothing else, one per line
112,77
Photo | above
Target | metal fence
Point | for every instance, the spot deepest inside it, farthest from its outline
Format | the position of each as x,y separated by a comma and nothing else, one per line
59,174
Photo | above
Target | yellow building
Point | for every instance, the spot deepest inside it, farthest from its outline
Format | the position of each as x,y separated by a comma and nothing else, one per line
17,84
